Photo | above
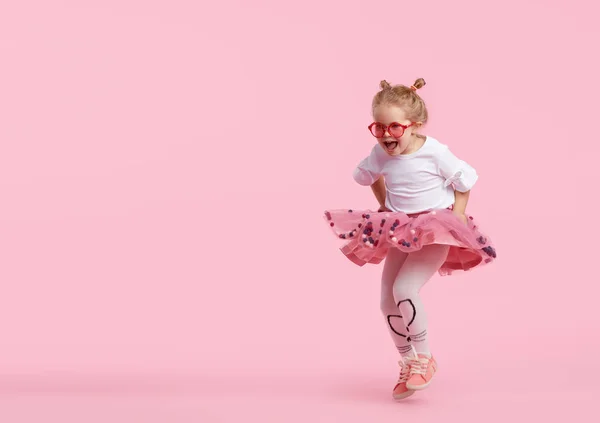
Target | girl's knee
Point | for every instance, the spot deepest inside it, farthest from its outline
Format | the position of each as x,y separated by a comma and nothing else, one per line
404,290
387,305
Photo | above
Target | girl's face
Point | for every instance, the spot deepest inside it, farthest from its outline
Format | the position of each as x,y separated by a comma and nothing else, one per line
386,115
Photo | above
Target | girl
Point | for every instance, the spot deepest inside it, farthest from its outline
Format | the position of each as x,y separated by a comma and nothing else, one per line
421,226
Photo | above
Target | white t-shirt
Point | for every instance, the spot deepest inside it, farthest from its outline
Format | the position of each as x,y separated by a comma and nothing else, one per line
420,181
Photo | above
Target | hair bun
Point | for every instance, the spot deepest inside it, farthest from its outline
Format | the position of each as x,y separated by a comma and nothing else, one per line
385,85
418,84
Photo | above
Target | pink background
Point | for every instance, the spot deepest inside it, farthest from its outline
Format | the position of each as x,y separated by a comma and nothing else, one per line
164,166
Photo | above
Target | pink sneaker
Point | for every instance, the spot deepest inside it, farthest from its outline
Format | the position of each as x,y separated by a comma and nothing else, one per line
422,369
400,390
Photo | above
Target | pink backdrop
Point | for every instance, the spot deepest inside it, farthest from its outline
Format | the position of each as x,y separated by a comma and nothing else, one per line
163,169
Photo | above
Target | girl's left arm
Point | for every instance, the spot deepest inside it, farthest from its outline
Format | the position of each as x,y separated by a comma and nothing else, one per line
461,200
461,176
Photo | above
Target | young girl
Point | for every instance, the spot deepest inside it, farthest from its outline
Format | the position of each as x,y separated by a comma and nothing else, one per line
421,226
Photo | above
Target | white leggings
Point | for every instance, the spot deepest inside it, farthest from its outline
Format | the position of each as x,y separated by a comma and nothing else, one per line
404,274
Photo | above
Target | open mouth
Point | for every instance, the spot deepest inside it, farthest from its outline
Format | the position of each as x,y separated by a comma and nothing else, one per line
390,145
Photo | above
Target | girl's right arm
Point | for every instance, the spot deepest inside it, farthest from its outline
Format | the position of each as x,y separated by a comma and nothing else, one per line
368,173
378,188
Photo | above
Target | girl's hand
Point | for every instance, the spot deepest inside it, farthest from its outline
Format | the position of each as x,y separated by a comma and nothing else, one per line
383,209
460,204
462,217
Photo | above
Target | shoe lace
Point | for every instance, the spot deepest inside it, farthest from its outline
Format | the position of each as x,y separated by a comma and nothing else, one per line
404,370
418,365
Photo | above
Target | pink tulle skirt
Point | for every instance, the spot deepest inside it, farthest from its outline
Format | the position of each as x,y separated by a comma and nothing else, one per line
369,235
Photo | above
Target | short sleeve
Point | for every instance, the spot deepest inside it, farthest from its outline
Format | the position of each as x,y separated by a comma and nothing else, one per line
456,172
368,170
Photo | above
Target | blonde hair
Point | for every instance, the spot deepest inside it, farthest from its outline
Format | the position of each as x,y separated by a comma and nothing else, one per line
404,97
